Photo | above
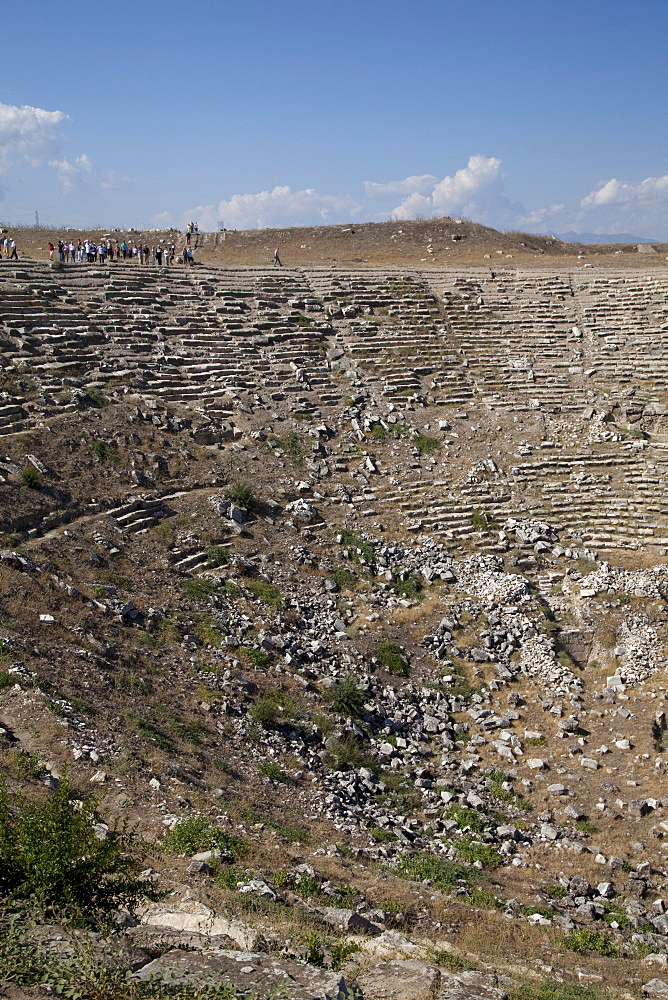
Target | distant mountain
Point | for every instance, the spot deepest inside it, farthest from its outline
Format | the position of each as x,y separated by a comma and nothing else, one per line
572,237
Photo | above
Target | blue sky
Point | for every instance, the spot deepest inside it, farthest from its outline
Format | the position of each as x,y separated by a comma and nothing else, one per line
547,115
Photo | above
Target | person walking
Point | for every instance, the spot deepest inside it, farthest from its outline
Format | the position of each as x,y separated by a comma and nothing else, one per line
277,259
158,256
51,249
12,246
5,244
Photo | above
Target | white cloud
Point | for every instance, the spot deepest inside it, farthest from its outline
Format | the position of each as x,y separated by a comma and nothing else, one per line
476,191
651,191
275,209
28,134
71,175
420,183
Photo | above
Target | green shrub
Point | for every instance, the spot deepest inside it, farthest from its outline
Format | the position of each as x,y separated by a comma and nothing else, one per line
7,679
483,522
465,817
471,850
391,657
199,588
270,769
550,989
50,855
349,751
344,579
97,399
582,939
426,445
358,549
273,709
208,629
103,451
217,555
228,877
255,656
190,836
30,477
410,588
341,951
242,495
485,899
497,779
346,697
266,592
292,444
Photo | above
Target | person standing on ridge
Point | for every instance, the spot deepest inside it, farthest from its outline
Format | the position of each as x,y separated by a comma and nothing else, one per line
277,259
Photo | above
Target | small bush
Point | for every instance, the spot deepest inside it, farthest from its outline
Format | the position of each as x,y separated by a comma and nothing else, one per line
426,445
465,817
30,477
255,656
273,709
6,679
270,769
471,850
292,444
208,629
410,588
103,451
242,495
582,940
266,592
483,522
229,877
49,854
217,555
349,751
97,399
344,579
190,836
346,697
392,658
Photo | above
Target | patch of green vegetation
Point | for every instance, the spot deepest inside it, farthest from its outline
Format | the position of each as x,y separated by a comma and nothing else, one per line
379,433
104,452
7,679
345,697
190,836
97,399
583,939
472,850
118,580
466,817
228,878
341,952
208,629
150,732
410,588
49,855
426,445
242,495
258,657
30,477
266,592
344,579
270,769
551,989
481,521
199,588
272,709
217,555
615,913
586,826
348,751
293,444
165,531
357,548
445,875
449,960
392,658
301,415
485,899
232,589
497,779
555,891
381,835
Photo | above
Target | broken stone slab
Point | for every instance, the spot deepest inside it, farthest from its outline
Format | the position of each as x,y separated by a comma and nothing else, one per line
16,560
655,988
402,979
247,973
348,920
192,916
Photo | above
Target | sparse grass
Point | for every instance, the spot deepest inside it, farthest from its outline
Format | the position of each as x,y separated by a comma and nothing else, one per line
348,751
551,989
586,826
392,658
497,779
165,531
119,581
471,850
249,654
208,629
97,399
270,769
445,875
272,709
266,592
7,679
358,549
410,588
292,443
199,588
104,452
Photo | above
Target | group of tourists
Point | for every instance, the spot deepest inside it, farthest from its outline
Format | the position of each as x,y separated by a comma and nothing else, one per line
88,251
9,248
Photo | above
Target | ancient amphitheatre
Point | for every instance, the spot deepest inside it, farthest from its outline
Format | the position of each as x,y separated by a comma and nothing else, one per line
355,571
